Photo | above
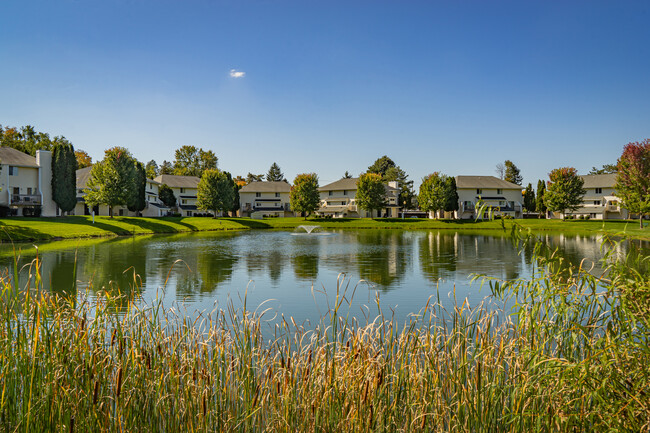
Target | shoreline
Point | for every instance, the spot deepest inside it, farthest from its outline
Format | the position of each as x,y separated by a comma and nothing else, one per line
21,230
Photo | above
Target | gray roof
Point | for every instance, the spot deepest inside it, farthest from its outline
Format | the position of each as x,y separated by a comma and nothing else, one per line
83,174
174,181
599,180
266,187
11,156
341,184
349,184
490,182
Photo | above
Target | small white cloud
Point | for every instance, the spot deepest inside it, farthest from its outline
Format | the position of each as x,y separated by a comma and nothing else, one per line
237,74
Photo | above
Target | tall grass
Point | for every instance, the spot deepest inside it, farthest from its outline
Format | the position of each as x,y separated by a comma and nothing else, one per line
571,355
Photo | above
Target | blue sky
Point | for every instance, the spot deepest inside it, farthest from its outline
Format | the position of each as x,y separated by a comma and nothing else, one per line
329,86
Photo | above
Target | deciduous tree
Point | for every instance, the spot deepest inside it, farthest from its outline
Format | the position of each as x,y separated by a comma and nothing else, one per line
112,180
166,195
166,168
215,191
83,159
304,197
435,193
193,161
564,191
64,167
371,192
151,169
633,178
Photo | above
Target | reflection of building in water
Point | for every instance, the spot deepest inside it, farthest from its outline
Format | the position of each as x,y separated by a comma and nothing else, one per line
438,254
488,255
382,257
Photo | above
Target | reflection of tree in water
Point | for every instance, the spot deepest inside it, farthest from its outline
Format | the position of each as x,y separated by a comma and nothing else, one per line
488,255
271,260
215,267
382,258
438,255
305,266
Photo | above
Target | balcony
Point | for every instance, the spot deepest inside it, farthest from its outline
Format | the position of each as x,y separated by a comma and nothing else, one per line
25,199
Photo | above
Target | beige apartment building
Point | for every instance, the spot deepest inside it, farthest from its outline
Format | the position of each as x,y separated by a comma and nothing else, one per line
505,198
265,199
185,190
26,182
600,201
338,200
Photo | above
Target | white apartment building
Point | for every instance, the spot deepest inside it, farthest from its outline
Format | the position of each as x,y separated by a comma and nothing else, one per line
600,201
185,190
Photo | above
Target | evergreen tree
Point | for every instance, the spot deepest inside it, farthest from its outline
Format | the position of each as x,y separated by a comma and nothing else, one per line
512,173
347,175
215,191
381,166
166,196
138,200
250,177
304,196
451,195
275,174
540,206
166,168
64,178
371,192
112,180
606,169
565,190
529,198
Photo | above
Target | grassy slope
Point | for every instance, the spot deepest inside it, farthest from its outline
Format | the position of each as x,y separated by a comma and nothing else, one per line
28,229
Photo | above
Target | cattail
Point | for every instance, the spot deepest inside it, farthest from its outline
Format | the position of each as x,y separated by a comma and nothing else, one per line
424,421
365,393
118,388
113,337
309,358
95,392
205,402
72,425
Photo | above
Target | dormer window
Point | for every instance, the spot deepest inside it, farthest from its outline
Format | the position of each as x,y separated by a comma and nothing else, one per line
258,194
599,190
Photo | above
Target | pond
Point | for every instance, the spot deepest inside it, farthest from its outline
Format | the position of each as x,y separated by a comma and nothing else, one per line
296,273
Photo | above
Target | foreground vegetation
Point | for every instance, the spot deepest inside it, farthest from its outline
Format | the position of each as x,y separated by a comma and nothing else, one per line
575,356
30,229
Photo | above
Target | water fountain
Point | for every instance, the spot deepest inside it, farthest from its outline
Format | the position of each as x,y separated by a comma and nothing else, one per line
309,229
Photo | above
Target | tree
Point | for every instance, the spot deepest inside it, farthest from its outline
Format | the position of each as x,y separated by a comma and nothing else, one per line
606,169
193,161
564,191
275,174
434,193
83,159
371,192
500,170
151,169
138,201
347,175
529,198
166,168
512,173
166,195
381,165
250,177
64,178
540,206
215,191
236,186
112,180
633,178
451,195
304,196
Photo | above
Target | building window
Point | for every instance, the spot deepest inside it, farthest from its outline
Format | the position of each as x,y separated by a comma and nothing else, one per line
277,194
499,191
188,213
479,191
345,192
597,202
13,171
29,191
599,190
258,194
183,201
182,190
330,192
342,203
592,215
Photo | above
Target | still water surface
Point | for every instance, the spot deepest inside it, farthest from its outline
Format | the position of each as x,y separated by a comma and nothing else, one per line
292,270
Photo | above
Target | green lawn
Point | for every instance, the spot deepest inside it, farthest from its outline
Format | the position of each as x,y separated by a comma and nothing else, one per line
29,229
